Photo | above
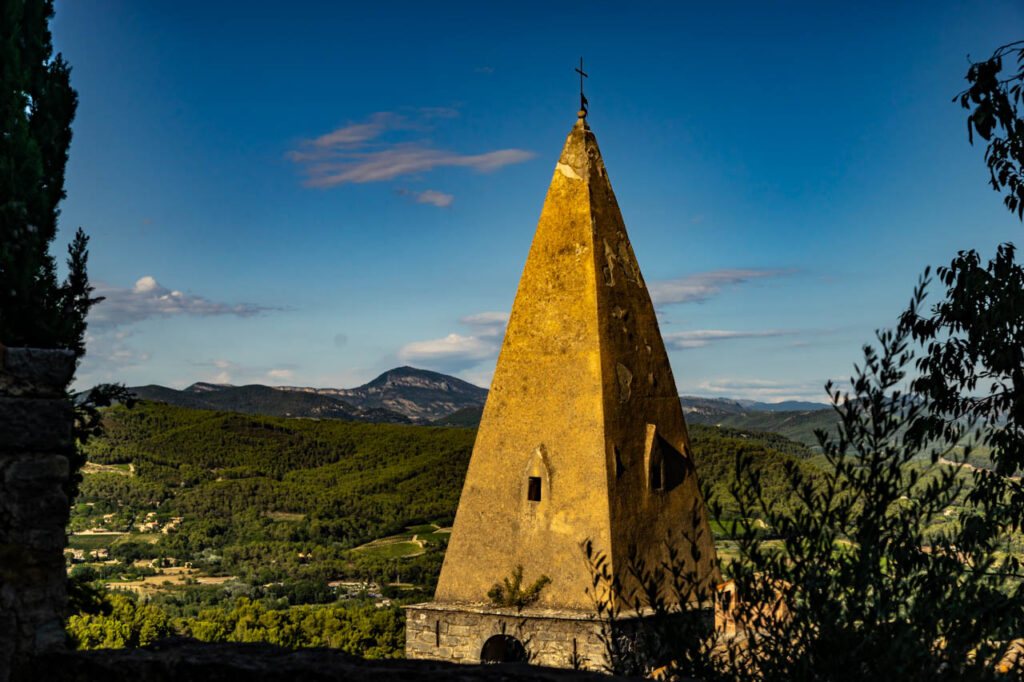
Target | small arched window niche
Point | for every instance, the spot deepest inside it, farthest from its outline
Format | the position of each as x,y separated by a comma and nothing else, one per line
537,479
665,466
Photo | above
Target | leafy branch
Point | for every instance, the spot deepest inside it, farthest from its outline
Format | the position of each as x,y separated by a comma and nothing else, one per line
995,116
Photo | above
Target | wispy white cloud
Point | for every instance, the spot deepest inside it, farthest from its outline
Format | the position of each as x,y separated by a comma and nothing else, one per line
760,389
404,159
110,355
450,353
458,352
481,376
487,325
219,371
224,371
348,136
741,384
363,152
107,356
701,286
430,196
148,298
698,338
439,199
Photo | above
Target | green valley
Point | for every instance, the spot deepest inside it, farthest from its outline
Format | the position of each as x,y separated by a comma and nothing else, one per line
194,515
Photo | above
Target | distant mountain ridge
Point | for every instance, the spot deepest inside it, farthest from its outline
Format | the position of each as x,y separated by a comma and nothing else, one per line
795,424
723,406
783,406
406,395
417,393
258,399
403,395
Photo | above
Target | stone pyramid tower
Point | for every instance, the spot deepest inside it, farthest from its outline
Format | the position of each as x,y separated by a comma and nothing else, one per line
582,437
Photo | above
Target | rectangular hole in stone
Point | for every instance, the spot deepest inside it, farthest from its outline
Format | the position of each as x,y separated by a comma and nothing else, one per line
533,489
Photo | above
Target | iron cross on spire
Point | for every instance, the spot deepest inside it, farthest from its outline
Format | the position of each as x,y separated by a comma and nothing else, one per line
583,99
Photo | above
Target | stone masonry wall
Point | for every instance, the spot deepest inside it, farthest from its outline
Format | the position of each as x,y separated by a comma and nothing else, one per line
458,634
36,440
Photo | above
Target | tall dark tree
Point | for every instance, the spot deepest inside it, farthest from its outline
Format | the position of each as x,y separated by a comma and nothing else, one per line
37,105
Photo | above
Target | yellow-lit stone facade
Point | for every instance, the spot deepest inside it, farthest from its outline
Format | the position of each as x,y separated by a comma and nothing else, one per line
582,437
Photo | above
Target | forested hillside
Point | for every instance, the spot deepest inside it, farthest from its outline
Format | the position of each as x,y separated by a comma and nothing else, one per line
351,482
253,489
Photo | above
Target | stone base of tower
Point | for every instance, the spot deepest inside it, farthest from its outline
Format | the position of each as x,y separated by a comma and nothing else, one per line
474,633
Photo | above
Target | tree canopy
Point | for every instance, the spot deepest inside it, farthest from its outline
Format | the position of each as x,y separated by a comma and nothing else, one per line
37,105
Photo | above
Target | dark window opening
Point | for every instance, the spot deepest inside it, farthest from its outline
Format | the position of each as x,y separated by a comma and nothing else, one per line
437,633
533,489
669,467
656,476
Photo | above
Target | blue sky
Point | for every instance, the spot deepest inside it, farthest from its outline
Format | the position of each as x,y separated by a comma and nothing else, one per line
312,193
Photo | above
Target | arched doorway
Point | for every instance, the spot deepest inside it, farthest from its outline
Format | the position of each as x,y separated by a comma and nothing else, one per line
503,649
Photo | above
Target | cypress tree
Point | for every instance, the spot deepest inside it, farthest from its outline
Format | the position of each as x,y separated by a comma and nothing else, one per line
37,105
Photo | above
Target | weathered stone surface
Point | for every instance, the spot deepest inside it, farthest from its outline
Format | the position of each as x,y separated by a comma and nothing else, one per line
35,371
21,565
459,632
35,437
8,641
37,469
50,636
40,424
37,506
182,660
45,538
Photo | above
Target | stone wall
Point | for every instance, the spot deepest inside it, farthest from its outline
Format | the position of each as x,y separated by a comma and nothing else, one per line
458,633
36,441
180,660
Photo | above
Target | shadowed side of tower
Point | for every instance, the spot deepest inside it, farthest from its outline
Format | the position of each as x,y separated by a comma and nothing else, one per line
654,495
